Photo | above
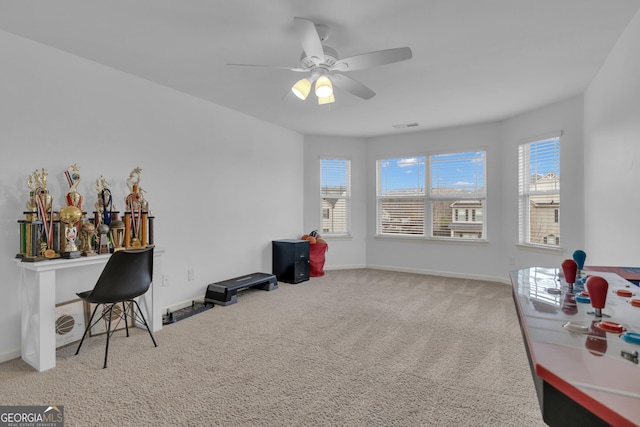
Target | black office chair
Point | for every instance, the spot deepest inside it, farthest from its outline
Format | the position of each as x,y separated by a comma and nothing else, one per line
127,275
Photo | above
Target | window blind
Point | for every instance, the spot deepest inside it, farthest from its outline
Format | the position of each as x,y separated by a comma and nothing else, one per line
457,195
539,192
458,174
335,195
401,196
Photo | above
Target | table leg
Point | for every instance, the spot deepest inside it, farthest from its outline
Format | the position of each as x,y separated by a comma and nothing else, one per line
38,319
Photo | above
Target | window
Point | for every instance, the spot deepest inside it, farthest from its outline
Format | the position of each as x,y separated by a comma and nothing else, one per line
400,196
335,195
454,204
457,195
539,192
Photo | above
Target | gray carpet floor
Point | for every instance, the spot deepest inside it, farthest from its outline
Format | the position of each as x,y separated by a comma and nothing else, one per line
352,348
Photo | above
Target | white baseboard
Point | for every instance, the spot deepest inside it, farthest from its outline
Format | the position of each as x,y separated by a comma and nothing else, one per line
344,267
7,355
455,275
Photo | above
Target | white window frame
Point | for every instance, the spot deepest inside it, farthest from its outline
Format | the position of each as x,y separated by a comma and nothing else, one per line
343,199
550,190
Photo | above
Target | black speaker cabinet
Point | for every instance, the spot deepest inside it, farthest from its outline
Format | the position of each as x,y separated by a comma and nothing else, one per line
291,260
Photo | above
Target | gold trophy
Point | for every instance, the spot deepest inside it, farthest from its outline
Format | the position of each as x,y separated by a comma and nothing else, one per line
70,216
117,232
39,196
38,230
87,233
136,212
103,246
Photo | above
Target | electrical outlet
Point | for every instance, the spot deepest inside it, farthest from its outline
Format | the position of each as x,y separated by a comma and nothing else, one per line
165,280
191,274
512,261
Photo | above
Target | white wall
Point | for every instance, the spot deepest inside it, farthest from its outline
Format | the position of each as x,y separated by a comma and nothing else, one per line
612,156
461,259
343,252
208,171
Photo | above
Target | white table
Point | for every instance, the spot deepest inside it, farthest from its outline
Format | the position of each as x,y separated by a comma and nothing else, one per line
38,299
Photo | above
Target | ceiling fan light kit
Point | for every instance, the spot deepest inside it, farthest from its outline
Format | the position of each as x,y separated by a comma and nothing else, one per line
325,67
302,88
324,88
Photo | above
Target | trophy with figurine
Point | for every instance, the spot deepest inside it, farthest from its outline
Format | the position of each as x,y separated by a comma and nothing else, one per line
138,223
104,215
71,215
39,231
88,233
73,178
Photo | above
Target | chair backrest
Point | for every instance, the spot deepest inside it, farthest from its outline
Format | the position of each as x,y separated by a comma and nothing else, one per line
127,274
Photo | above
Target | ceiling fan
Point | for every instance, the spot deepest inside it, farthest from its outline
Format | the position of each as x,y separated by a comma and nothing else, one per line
326,69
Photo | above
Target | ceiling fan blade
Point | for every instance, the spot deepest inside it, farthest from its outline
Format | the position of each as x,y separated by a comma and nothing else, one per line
296,69
310,40
352,86
373,59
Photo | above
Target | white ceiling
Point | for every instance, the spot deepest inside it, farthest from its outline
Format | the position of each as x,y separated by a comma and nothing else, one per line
473,60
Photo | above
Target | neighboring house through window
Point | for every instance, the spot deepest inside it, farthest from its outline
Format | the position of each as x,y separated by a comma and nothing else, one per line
539,191
458,195
335,196
454,205
400,196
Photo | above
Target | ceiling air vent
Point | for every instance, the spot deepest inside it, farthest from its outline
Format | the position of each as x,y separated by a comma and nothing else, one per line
405,125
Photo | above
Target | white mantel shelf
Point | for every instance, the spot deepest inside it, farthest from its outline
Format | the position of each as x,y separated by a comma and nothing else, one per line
60,263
